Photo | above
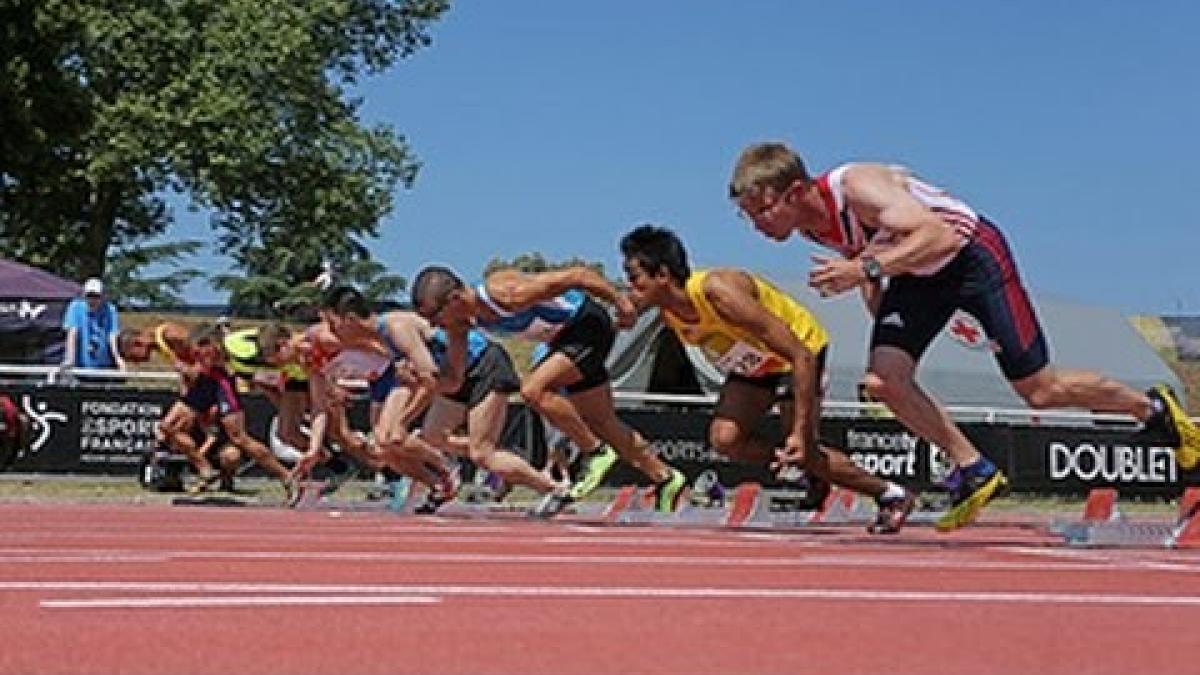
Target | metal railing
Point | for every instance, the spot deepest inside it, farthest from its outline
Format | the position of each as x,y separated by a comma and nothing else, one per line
57,375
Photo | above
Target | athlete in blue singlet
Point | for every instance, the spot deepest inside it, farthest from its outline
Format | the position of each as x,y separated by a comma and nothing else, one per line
570,387
450,375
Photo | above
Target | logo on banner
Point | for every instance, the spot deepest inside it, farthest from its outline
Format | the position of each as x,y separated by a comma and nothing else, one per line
967,331
940,465
41,415
888,454
1115,463
24,310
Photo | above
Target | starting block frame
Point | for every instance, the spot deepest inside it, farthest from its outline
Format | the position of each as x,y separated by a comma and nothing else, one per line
1104,526
750,508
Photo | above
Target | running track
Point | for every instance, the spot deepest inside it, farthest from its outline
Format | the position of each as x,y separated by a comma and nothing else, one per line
158,589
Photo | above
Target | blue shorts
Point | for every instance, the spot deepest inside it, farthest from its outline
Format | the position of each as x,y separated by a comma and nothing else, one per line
383,385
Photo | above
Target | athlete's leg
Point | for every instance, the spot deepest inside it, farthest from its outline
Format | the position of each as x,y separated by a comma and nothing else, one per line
290,414
234,424
1053,387
891,379
597,409
485,425
735,429
402,450
176,419
542,390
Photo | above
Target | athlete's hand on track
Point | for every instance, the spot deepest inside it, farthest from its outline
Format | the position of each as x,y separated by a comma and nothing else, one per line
834,276
626,312
792,453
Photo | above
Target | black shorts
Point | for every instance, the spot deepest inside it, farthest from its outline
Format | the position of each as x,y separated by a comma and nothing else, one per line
981,280
587,341
492,371
295,385
213,389
781,383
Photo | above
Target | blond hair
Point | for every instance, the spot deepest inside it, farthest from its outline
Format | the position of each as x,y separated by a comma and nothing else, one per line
765,165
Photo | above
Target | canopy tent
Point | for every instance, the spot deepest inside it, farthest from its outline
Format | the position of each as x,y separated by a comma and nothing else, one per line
32,303
959,367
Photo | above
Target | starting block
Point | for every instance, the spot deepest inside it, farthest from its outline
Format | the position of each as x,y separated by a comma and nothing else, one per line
313,496
748,506
1103,525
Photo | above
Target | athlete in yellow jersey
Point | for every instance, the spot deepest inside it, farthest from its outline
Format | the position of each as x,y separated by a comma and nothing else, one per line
771,349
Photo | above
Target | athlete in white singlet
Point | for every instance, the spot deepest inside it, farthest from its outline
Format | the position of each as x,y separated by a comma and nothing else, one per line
937,255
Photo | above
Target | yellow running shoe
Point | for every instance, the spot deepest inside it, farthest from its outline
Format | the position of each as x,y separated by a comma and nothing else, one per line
973,495
1188,452
666,494
598,464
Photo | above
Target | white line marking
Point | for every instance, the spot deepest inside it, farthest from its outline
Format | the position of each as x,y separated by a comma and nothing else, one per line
244,601
619,592
899,561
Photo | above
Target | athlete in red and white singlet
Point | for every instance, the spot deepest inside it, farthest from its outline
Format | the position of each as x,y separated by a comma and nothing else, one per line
852,237
918,255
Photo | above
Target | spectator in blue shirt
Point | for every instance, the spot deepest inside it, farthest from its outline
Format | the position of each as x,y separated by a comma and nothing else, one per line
92,327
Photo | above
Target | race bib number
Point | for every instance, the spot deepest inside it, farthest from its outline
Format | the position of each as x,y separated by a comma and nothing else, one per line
742,359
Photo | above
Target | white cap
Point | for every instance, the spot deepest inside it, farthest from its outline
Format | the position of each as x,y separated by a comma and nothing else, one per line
93,286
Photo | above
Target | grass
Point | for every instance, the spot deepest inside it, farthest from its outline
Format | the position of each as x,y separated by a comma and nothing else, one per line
42,489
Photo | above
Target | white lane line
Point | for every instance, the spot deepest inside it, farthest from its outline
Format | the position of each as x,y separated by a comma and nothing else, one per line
621,592
88,559
906,561
243,601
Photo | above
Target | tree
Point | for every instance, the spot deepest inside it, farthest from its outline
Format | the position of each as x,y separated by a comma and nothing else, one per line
534,262
239,104
265,295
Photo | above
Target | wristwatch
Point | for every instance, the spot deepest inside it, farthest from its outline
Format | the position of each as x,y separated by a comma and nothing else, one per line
872,270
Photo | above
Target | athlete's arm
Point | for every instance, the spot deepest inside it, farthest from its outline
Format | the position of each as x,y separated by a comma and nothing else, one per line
872,293
878,194
454,369
515,290
734,297
409,334
69,351
116,353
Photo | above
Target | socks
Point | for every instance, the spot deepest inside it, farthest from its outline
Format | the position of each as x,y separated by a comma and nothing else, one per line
982,467
892,492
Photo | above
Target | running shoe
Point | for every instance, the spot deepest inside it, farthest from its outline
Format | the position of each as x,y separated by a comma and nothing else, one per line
434,499
598,464
203,482
668,492
347,470
552,504
973,492
892,513
441,492
1176,420
291,491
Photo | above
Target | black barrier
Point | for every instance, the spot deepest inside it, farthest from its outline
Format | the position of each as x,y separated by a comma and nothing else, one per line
106,431
1038,459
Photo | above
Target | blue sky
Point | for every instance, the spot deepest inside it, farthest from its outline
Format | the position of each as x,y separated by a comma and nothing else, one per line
558,126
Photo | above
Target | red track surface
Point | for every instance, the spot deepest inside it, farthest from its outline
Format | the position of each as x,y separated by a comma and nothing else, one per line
103,589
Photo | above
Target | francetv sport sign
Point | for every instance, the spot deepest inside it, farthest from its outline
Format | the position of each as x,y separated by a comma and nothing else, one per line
1037,459
85,430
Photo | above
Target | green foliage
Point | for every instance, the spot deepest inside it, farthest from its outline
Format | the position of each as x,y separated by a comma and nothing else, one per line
239,105
534,262
129,279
